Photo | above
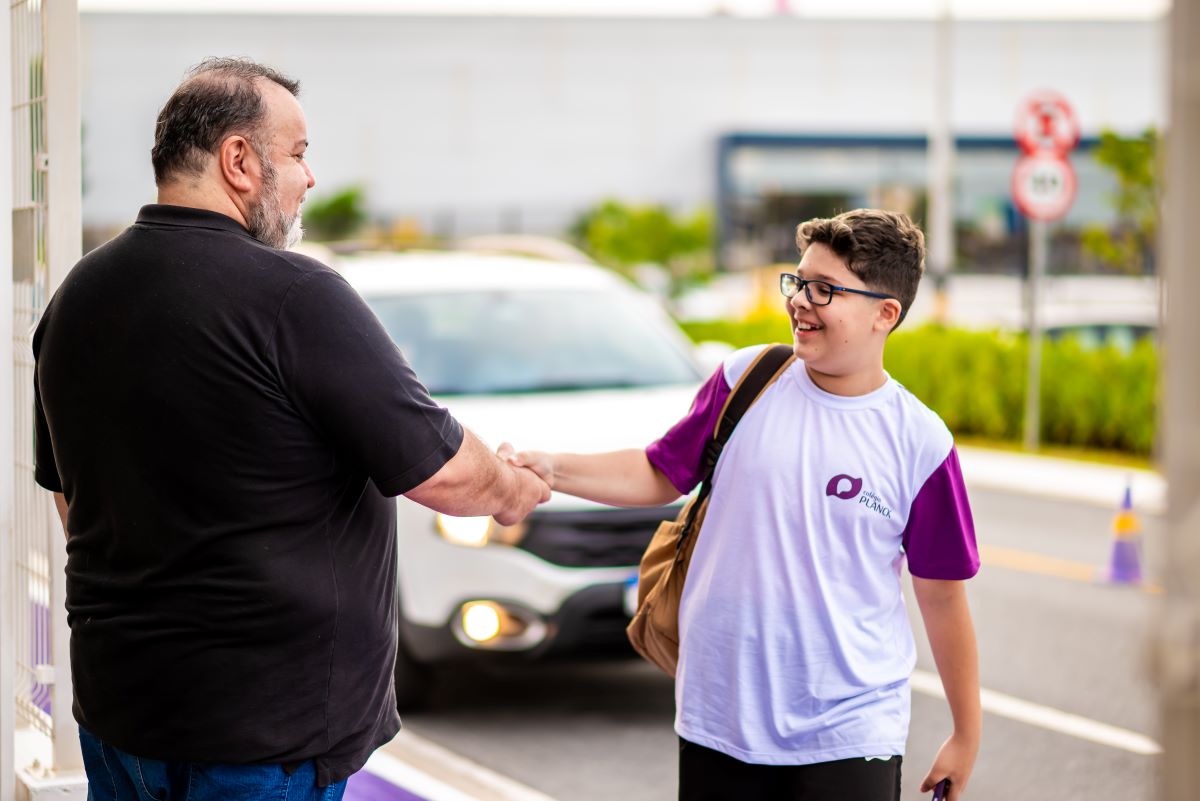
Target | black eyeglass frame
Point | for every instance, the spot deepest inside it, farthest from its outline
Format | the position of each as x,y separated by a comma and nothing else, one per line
803,283
785,278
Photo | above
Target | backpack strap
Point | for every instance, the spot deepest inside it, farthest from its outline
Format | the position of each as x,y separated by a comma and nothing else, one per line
762,372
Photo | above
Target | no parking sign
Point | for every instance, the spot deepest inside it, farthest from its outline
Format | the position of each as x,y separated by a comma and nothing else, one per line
1046,123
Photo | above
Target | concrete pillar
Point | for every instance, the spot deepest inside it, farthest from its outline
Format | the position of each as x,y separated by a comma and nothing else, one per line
1178,662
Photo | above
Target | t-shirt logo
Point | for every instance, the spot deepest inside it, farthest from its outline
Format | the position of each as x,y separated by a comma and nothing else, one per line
854,489
854,486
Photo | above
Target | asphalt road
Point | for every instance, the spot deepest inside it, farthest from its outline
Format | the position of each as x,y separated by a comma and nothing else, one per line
586,732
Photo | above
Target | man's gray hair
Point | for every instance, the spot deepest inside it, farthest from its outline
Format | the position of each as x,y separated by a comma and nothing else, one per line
218,98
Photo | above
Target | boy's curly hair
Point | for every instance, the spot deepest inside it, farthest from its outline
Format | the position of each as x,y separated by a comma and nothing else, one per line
884,248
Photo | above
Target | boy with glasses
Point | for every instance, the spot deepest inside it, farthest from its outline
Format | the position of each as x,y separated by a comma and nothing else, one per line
795,648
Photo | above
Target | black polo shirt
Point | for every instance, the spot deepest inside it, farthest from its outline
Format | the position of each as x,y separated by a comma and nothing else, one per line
226,420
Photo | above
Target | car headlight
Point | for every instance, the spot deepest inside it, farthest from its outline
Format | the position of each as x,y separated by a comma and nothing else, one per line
476,532
482,621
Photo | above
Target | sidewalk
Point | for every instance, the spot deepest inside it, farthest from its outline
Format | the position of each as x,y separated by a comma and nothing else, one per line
1065,479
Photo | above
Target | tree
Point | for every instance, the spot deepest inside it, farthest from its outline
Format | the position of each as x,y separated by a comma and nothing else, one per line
1128,244
337,216
625,237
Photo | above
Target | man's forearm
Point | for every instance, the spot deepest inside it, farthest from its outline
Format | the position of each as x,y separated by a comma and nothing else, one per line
475,482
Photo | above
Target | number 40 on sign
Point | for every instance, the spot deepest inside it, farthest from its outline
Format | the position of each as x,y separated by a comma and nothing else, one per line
1043,186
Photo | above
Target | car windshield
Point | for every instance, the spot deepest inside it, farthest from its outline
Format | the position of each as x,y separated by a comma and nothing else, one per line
533,341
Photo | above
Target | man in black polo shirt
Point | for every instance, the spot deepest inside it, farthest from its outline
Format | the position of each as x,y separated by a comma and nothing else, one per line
223,423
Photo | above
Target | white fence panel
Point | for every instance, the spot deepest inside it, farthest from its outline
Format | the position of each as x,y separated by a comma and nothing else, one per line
42,49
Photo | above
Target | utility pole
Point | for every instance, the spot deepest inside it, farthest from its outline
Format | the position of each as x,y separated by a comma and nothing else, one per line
1178,653
940,193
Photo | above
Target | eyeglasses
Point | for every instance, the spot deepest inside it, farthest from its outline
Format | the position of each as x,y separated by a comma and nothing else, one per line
820,293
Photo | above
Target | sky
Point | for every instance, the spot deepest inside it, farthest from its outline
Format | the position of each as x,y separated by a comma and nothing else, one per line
986,9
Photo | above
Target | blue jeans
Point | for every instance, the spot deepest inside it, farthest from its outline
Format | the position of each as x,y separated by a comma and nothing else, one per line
114,775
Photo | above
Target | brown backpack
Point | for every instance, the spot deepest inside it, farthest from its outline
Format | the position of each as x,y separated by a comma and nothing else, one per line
654,630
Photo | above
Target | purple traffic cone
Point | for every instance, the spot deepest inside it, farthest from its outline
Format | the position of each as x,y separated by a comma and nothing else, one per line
1125,565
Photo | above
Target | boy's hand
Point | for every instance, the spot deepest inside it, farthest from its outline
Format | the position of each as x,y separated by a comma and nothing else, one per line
954,761
538,461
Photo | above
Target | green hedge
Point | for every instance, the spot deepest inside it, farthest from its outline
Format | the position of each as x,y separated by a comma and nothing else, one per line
1091,397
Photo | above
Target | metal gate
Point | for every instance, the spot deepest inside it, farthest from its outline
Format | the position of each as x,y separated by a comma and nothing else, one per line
30,276
45,136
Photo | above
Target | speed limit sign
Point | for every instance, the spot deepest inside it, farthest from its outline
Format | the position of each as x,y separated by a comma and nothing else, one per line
1043,186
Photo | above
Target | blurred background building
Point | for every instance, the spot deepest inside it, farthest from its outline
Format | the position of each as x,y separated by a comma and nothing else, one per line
462,125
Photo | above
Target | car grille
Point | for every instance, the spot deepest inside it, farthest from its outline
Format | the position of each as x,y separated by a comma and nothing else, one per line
594,538
600,632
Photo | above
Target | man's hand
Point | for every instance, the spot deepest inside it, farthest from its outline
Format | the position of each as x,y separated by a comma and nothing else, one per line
954,761
539,462
530,490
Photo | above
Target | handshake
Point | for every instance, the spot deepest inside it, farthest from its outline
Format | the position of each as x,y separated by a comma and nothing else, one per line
534,474
509,484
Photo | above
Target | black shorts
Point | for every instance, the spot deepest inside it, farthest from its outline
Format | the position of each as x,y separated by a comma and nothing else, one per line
708,775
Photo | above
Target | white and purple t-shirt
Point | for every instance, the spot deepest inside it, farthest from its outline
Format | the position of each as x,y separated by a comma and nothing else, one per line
795,646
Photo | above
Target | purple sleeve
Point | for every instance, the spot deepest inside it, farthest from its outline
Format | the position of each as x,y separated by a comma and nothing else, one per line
940,536
679,454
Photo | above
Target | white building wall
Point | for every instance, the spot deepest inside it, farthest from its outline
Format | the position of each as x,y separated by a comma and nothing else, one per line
546,115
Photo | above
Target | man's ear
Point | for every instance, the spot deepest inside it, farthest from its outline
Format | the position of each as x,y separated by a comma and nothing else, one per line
889,314
239,163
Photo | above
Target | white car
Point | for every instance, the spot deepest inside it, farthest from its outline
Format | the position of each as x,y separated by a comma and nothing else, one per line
549,356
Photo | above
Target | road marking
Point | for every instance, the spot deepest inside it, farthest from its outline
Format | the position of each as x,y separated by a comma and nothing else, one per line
1026,562
1045,717
444,775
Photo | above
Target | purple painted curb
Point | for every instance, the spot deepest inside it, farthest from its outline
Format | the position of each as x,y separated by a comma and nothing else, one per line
366,786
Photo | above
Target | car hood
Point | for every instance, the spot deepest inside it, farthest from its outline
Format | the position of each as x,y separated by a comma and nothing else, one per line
576,422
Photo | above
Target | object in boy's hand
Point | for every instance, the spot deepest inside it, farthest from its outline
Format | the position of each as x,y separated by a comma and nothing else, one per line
939,792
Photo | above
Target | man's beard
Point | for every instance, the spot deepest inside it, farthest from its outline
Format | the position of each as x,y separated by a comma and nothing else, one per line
265,217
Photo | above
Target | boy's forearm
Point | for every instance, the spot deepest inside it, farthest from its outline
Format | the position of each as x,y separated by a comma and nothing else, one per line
951,633
617,478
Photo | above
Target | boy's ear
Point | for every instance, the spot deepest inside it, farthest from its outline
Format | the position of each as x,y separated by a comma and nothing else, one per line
889,314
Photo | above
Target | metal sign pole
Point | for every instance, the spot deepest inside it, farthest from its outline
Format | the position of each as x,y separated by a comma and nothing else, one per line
1033,385
1044,187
